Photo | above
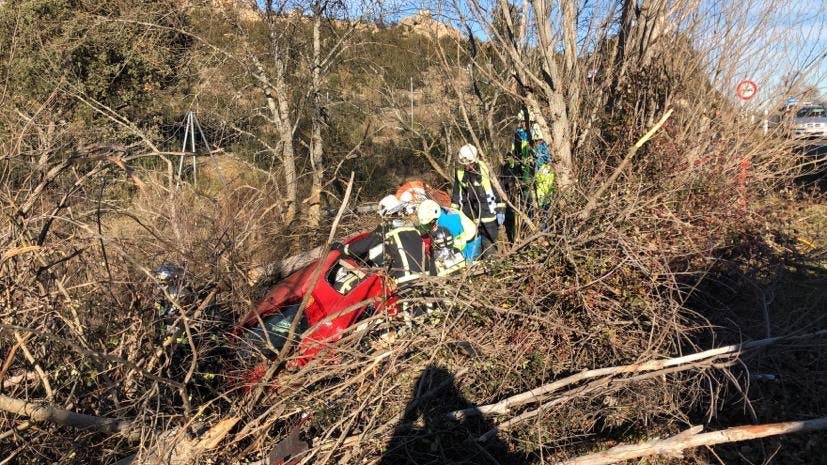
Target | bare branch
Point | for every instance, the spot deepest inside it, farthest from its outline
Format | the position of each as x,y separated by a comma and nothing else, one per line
693,437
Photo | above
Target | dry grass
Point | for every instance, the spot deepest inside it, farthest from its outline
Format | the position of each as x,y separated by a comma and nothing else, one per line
653,273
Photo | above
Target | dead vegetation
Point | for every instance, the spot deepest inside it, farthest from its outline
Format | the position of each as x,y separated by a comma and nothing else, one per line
682,287
635,283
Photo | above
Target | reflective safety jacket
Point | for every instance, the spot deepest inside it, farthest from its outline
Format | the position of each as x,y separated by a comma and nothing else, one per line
518,166
545,177
542,156
345,280
474,195
400,250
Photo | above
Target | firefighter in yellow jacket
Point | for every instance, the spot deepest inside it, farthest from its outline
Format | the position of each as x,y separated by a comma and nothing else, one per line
474,195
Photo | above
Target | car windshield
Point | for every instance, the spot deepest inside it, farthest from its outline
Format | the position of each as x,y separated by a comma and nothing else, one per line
268,336
811,112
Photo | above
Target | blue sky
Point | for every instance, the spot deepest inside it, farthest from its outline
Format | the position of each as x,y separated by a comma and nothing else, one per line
772,38
786,38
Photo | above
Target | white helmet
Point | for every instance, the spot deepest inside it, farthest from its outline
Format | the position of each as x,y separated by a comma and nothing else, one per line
428,211
389,205
468,154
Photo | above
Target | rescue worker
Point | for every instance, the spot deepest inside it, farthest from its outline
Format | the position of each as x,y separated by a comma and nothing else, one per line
175,296
515,173
395,245
520,145
445,258
463,230
474,195
345,280
544,176
411,194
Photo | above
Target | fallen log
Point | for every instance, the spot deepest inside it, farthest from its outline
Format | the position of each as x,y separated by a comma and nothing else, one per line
691,438
174,445
19,379
358,210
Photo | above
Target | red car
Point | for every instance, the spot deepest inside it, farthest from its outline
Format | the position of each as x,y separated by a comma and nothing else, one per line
344,293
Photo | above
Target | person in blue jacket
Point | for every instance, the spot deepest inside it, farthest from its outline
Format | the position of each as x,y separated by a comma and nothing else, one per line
431,216
544,182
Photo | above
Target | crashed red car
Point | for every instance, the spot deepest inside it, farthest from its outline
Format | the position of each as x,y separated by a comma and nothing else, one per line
343,294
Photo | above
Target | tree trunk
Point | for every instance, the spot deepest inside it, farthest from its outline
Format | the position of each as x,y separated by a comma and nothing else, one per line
45,412
313,201
558,99
624,40
571,72
640,27
286,137
650,27
278,104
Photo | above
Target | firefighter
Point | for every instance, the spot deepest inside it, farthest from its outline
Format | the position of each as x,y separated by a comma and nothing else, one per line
395,245
463,230
473,194
528,175
520,147
171,290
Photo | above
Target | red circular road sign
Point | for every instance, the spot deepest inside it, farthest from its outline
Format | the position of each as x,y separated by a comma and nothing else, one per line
746,89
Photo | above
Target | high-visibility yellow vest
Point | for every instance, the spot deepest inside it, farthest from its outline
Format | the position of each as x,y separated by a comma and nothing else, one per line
490,200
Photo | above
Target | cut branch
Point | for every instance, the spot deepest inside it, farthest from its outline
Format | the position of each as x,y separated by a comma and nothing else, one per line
537,394
45,412
694,438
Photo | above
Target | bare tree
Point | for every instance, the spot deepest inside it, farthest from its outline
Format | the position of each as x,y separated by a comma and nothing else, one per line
270,69
313,215
326,53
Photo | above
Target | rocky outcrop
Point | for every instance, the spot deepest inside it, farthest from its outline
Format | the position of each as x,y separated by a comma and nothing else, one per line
424,23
